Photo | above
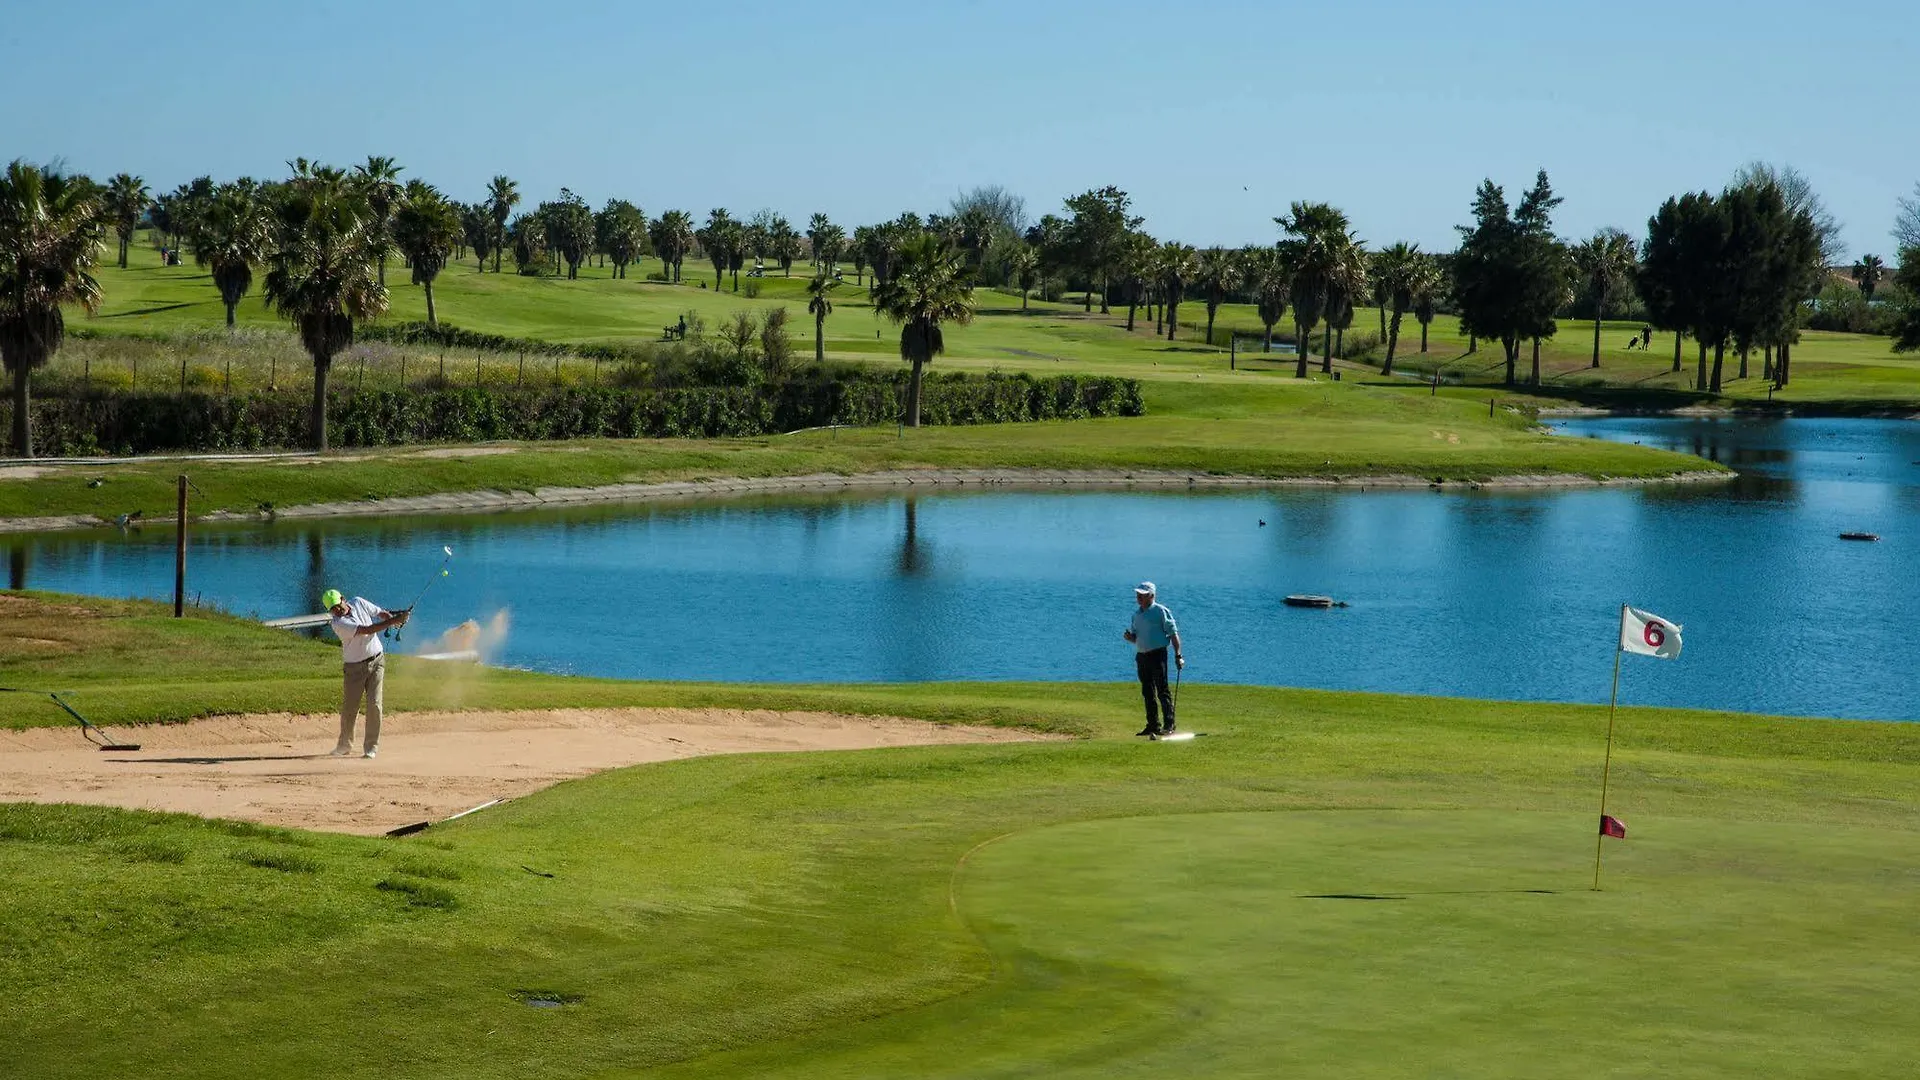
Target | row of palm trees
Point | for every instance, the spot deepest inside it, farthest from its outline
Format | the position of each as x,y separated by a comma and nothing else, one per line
324,236
1319,270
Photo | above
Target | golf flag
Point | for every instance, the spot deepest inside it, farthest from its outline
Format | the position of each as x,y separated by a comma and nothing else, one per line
1648,634
1610,826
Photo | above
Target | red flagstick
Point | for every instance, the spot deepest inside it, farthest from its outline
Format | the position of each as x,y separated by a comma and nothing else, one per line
1606,770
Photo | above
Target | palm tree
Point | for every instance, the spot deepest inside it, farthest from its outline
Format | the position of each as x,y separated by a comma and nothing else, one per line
1347,285
820,305
672,238
1218,276
783,244
528,240
927,284
426,230
570,230
232,240
1868,272
476,226
1377,288
828,242
322,276
127,199
1136,268
1606,264
1268,277
1426,293
1023,266
817,225
502,196
379,181
1177,267
620,231
1401,274
1314,254
718,238
52,228
858,249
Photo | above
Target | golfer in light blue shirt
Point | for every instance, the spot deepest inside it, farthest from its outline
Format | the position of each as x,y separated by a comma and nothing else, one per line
1151,631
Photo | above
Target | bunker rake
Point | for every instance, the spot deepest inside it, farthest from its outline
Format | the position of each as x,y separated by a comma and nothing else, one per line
93,733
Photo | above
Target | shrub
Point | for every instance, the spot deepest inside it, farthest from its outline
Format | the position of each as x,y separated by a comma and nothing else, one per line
751,290
1840,306
138,423
776,348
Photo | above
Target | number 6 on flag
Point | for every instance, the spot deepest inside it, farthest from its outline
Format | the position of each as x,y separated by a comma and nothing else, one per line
1648,634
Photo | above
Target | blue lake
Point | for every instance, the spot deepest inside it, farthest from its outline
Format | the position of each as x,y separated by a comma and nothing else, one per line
1502,595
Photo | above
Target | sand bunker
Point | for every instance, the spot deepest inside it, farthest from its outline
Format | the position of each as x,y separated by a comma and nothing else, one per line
274,769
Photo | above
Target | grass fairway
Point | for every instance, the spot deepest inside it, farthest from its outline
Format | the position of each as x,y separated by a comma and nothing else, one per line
1831,369
1326,885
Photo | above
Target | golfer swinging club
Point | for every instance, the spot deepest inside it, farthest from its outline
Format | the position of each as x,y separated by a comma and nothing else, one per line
1152,630
357,623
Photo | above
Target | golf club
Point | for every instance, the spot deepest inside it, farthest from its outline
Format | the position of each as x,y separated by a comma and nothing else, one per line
437,575
93,733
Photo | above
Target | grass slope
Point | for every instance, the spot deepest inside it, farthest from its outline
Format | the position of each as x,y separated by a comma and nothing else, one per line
1096,908
1266,428
149,298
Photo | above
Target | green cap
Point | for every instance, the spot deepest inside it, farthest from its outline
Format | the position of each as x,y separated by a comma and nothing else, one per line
329,598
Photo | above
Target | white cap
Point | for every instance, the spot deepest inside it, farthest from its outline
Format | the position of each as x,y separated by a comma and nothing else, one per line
1145,588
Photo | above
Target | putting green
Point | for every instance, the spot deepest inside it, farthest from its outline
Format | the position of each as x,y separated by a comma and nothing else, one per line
1428,943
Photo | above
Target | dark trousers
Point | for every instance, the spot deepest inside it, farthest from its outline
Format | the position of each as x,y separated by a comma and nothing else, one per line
1152,666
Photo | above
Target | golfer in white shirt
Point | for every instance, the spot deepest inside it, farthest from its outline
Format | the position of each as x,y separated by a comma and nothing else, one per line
357,623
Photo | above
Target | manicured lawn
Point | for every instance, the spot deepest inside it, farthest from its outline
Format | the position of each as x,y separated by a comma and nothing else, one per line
151,299
1325,885
1257,426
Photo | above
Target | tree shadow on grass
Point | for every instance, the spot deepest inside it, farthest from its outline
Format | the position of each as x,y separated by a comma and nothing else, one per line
1437,892
147,310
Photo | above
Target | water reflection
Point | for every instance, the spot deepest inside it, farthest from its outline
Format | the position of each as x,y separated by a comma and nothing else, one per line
912,562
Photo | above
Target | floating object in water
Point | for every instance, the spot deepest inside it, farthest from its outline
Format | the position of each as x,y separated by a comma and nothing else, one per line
1313,601
1859,536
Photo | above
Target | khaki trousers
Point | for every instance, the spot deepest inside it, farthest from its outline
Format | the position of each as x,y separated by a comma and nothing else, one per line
367,678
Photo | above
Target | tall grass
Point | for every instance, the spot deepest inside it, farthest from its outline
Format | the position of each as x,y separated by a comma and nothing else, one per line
253,359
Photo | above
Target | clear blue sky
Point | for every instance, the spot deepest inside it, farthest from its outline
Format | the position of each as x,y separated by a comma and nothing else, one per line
1213,115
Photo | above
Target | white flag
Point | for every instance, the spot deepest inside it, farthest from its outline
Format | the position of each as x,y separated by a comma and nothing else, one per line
1648,634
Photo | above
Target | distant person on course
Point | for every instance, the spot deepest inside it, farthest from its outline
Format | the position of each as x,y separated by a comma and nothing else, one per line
357,623
1152,631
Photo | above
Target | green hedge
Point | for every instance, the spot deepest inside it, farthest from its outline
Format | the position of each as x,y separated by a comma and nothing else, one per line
137,423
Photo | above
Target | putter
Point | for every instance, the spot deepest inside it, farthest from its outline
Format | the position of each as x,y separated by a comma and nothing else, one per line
93,733
437,575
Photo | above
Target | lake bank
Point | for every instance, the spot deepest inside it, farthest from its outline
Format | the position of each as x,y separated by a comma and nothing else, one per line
813,483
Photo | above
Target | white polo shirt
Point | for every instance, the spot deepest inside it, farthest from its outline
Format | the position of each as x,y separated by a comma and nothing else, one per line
357,647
